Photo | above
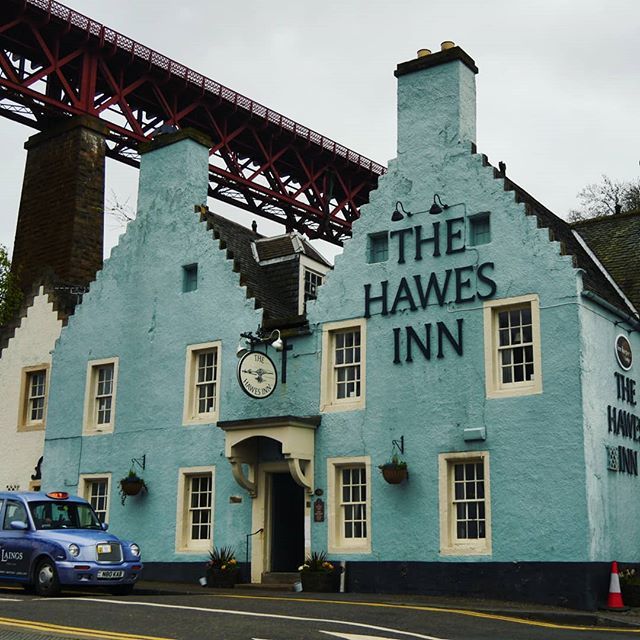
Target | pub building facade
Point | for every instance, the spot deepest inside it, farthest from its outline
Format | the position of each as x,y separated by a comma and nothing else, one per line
465,330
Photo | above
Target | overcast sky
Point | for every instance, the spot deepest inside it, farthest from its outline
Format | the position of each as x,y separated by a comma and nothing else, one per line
558,88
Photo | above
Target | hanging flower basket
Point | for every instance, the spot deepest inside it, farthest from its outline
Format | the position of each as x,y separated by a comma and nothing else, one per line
394,473
131,485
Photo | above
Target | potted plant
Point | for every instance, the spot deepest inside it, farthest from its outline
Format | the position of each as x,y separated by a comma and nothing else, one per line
630,587
318,574
394,471
131,485
222,568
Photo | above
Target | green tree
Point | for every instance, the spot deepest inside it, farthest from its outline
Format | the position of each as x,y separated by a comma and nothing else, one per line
607,198
10,294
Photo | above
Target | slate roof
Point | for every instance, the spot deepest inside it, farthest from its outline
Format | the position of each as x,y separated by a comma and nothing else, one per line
286,245
274,286
561,231
615,240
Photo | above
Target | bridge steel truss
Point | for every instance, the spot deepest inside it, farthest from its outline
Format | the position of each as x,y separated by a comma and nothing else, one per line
55,62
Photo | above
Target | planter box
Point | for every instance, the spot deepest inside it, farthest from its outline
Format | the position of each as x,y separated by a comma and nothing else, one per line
222,579
630,594
320,581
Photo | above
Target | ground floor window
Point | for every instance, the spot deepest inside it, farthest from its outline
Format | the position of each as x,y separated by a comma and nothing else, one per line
350,504
95,489
465,508
195,509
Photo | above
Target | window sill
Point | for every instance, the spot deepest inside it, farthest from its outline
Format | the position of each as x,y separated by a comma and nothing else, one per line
334,407
515,392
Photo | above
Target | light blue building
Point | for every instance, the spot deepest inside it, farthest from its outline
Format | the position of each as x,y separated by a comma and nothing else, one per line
465,329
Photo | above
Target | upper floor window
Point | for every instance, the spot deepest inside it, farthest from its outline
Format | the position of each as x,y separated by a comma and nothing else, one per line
480,229
512,346
34,397
189,277
100,395
312,281
343,365
378,249
202,383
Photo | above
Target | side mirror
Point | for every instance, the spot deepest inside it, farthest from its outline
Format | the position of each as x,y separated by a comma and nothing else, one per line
18,525
104,526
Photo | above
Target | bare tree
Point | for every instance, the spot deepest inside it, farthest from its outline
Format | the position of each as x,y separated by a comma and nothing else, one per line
607,198
123,212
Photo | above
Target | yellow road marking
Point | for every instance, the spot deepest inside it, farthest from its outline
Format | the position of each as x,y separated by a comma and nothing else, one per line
84,633
463,612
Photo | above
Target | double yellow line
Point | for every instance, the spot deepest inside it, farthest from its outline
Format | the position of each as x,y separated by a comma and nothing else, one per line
76,631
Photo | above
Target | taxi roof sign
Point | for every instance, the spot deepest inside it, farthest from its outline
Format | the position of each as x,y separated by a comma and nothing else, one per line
58,495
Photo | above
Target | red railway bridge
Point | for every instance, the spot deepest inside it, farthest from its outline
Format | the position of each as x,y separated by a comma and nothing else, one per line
56,63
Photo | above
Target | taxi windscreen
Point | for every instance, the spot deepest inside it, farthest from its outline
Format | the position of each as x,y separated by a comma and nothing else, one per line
63,515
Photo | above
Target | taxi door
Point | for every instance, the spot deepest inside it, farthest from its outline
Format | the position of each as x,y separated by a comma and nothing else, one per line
16,545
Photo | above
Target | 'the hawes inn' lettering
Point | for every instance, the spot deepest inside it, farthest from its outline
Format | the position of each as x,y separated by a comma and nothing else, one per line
458,285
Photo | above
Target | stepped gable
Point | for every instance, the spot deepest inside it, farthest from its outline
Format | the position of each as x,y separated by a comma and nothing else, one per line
63,299
273,286
561,231
615,240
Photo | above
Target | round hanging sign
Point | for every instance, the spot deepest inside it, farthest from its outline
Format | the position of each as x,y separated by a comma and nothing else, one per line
257,375
623,352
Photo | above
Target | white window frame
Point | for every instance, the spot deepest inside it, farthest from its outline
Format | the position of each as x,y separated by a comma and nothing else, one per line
337,543
90,420
450,544
329,401
184,543
190,411
25,423
306,264
495,388
85,482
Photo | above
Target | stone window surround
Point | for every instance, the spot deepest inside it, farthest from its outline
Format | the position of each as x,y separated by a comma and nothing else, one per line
84,484
24,421
493,386
328,400
336,540
184,543
190,415
89,422
449,544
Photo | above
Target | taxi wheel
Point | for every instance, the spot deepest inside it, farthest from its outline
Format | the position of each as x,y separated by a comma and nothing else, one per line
122,590
47,583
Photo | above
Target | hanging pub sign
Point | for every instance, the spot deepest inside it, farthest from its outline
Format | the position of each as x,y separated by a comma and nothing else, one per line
623,352
257,375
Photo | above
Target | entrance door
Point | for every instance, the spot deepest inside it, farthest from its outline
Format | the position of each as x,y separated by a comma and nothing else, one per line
287,523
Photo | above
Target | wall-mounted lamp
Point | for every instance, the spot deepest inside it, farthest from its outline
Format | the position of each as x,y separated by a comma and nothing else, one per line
437,207
248,341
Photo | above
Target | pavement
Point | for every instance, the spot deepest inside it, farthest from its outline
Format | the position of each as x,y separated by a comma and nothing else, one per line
629,618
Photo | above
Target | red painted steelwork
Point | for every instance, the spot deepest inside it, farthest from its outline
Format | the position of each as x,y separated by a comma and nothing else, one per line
55,62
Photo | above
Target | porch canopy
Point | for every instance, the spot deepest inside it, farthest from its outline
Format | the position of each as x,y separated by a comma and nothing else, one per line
295,434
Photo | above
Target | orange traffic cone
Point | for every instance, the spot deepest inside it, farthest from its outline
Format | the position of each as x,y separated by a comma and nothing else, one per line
614,601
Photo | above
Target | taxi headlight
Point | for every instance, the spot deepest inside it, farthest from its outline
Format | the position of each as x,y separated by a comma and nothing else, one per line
74,550
135,549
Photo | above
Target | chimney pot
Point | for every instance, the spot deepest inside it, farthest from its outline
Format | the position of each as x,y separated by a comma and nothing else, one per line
447,44
424,52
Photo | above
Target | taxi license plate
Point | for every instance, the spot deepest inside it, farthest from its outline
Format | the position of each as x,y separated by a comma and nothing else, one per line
109,574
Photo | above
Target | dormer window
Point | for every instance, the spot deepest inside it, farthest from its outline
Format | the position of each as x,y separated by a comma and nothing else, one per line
312,281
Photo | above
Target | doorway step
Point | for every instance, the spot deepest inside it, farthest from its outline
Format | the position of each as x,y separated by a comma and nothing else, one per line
275,581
